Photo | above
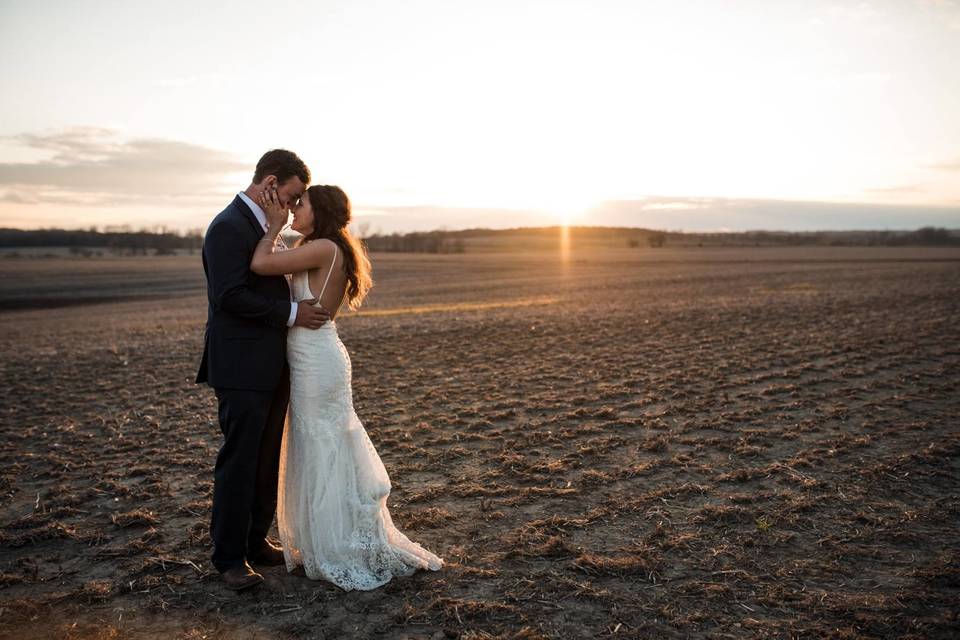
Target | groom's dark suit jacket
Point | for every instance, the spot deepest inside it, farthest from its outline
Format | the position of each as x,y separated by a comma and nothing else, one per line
245,341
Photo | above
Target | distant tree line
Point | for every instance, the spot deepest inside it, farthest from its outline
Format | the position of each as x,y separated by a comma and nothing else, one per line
465,239
119,240
654,239
418,242
924,236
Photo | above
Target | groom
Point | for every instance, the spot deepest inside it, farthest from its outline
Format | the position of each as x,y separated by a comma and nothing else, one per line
244,360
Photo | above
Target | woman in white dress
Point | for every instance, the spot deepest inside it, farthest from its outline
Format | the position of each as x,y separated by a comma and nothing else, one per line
332,499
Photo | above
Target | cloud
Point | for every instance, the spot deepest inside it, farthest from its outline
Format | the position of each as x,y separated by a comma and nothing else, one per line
896,190
92,166
859,12
388,219
713,214
675,213
948,12
949,165
17,197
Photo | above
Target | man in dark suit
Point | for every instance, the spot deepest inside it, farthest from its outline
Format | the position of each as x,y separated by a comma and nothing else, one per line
244,360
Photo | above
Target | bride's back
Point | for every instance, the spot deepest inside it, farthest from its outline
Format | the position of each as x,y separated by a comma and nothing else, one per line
328,282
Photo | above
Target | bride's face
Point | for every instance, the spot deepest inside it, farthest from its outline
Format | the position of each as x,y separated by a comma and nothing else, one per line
303,217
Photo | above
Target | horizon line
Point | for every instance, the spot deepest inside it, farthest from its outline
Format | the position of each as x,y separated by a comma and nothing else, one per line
160,229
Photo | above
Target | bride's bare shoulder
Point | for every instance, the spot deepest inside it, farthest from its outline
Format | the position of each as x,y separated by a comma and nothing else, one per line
322,249
328,249
324,245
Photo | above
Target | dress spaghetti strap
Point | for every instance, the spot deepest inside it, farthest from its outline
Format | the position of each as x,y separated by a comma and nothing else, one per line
336,249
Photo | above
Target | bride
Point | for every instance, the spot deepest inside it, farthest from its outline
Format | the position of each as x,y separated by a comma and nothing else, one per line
332,500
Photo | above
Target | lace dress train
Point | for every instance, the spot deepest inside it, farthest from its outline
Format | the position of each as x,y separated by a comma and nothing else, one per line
332,500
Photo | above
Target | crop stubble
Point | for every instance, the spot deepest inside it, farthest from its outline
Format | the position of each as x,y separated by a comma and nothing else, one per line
741,443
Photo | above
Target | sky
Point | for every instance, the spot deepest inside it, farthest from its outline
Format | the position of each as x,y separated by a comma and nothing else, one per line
673,114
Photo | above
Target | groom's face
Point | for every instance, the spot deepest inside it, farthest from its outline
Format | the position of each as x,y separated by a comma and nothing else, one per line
289,192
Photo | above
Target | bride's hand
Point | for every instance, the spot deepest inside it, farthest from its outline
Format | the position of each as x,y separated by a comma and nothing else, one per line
276,213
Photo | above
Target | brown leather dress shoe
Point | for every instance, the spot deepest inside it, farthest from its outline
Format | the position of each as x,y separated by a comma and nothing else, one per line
267,556
240,578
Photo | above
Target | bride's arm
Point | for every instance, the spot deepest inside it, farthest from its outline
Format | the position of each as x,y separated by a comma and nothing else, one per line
267,263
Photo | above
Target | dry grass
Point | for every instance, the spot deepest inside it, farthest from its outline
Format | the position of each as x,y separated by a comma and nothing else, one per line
635,444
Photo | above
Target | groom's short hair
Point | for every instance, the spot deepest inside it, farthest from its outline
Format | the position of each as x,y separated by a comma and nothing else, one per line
283,164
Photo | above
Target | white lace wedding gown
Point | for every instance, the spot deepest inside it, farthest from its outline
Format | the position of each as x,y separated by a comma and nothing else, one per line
332,497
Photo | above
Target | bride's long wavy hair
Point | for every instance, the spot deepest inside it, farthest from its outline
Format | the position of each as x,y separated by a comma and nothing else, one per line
331,217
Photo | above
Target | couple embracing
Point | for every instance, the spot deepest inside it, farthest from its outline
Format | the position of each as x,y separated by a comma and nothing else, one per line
293,445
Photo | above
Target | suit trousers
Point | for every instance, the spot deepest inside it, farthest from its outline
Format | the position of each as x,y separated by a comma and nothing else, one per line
246,471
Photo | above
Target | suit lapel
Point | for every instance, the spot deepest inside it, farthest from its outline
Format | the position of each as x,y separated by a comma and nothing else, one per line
248,214
252,219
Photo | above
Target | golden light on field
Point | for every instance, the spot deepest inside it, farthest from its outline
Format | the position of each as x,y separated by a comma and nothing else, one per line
565,244
456,306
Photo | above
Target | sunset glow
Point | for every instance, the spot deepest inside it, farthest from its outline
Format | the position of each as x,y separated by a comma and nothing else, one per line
507,114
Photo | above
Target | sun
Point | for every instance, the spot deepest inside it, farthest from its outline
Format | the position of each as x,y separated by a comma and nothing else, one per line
567,208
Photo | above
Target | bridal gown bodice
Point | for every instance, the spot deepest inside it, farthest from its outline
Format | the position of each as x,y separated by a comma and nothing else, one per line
332,500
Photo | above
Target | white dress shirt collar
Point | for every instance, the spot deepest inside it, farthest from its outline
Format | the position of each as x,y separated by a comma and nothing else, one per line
257,211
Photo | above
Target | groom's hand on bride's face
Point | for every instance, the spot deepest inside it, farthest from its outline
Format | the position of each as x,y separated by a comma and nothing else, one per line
270,203
310,316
